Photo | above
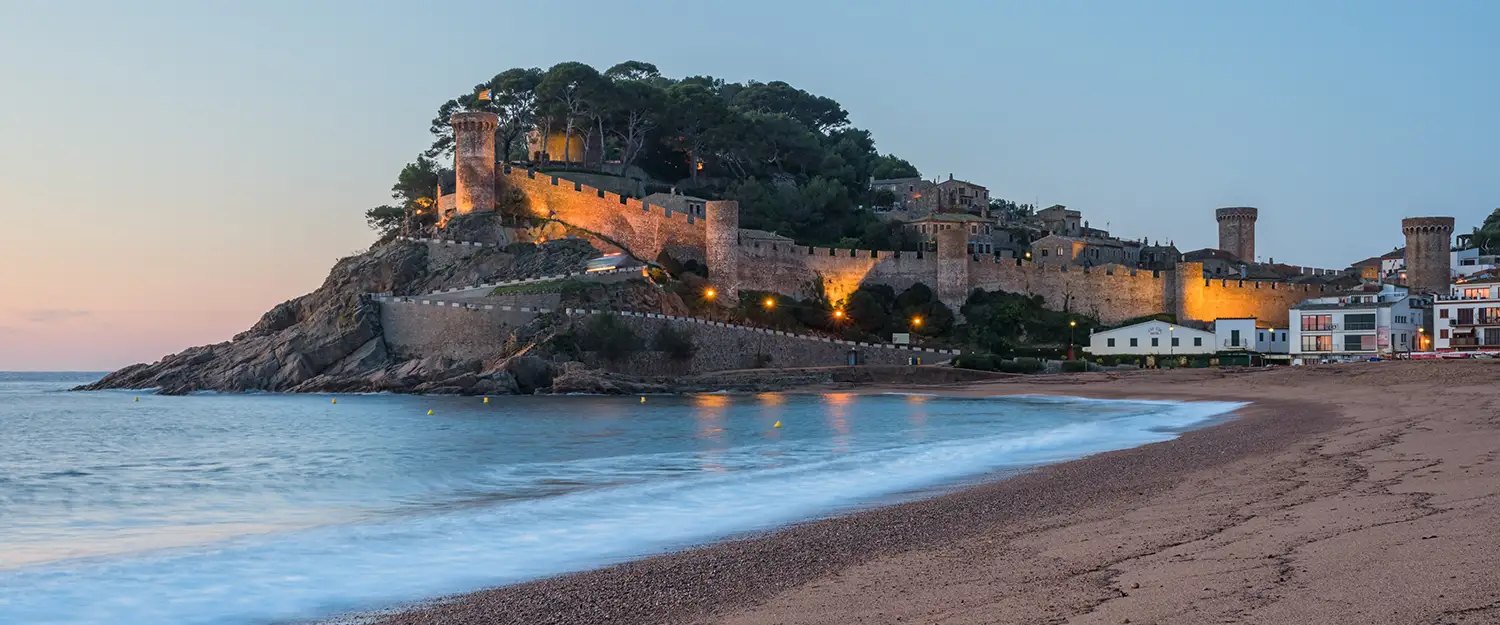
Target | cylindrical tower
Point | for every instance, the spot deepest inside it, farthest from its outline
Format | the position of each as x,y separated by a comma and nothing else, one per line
953,265
474,160
721,242
1428,243
1237,231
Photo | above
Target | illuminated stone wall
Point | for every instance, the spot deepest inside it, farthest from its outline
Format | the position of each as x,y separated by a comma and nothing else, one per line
1112,293
645,229
1206,299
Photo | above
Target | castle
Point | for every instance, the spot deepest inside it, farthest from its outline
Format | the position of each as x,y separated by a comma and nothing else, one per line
749,260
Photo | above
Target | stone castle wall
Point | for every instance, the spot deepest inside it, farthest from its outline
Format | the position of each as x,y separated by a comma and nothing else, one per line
414,327
644,229
1111,293
1203,299
424,328
791,269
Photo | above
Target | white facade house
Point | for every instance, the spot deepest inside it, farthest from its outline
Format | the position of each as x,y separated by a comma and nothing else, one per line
1367,321
1249,335
1151,338
1468,318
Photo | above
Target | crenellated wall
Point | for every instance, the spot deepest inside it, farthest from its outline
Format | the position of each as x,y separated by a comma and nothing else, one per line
737,262
1112,293
1203,299
790,269
645,229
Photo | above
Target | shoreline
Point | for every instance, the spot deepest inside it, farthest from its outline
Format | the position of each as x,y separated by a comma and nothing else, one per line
718,578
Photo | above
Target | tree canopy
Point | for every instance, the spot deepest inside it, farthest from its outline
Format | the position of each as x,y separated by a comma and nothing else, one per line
790,157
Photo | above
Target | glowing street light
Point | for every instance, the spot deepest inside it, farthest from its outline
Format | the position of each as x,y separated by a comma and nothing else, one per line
770,302
838,314
709,293
916,322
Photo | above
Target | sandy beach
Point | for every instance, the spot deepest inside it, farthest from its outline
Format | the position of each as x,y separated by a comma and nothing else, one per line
1354,494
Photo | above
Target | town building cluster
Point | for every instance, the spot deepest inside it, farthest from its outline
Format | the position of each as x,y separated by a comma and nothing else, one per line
1433,295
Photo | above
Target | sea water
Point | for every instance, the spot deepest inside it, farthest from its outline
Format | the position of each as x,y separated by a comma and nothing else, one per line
131,508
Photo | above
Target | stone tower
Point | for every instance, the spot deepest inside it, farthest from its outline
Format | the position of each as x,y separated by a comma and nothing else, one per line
1428,242
953,266
1237,231
721,238
474,160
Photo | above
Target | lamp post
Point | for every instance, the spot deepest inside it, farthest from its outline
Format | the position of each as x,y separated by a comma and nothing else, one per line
1072,323
1171,342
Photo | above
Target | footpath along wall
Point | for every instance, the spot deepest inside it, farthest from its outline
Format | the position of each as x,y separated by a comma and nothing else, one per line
415,327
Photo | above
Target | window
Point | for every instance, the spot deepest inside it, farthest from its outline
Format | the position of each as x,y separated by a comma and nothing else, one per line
1197,341
1044,253
1401,339
1359,342
1492,336
1466,316
1260,337
1442,313
1283,337
1111,342
1317,323
1400,318
1359,322
1174,341
1317,343
1155,342
1443,333
1059,251
1134,342
1487,316
1476,293
1234,338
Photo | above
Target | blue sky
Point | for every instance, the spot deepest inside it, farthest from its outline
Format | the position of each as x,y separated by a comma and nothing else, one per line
170,170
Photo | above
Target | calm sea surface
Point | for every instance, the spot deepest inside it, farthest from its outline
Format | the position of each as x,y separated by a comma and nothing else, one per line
257,509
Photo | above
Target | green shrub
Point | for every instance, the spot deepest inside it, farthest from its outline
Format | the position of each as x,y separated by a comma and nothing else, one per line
981,362
1021,365
1074,366
678,344
610,337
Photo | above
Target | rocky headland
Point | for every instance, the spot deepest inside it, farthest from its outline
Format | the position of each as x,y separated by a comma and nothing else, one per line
330,340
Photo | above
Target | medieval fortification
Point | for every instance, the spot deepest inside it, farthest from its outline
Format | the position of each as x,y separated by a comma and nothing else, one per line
741,260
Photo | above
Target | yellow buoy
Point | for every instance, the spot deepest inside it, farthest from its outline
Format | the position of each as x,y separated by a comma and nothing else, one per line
778,424
335,400
429,412
643,400
137,399
486,400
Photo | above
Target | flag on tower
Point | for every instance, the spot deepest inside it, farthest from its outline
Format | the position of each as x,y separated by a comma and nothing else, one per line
484,95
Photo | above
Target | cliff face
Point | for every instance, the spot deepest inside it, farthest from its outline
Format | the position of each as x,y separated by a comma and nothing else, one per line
330,339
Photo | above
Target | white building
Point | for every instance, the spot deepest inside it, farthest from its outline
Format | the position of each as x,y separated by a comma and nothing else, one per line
1369,320
1249,335
1468,318
1463,262
1151,338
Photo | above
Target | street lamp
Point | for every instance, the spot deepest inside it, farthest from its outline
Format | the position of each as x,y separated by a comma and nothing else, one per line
709,294
838,314
916,322
1171,341
1072,323
770,302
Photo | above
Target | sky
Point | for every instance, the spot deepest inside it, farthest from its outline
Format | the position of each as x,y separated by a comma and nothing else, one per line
171,170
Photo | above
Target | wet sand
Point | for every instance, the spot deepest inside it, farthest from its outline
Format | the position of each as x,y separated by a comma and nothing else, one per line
1354,494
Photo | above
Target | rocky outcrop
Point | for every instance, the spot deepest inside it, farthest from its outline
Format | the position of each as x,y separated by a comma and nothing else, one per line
331,340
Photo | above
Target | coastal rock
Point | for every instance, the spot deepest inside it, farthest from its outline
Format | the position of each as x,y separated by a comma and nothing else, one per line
331,340
529,373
